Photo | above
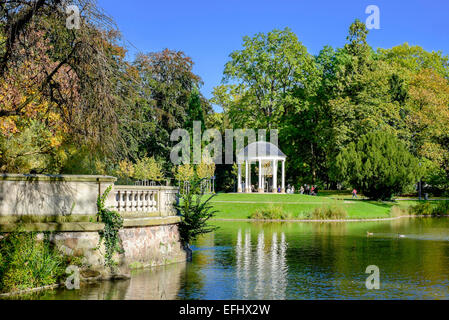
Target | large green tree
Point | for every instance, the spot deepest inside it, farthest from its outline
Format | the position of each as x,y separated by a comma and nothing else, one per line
379,165
266,79
168,98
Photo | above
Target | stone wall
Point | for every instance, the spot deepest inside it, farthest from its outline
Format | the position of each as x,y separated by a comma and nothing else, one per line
51,195
143,246
151,246
66,206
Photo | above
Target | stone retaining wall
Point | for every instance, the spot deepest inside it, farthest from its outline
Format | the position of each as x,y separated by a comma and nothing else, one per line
152,246
143,246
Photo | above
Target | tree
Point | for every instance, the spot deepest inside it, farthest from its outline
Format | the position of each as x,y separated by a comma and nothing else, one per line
379,165
428,117
167,90
65,79
195,111
125,171
184,172
266,79
148,169
206,169
414,59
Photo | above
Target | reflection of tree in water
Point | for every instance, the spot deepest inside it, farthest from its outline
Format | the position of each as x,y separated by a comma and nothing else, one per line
261,273
159,283
192,279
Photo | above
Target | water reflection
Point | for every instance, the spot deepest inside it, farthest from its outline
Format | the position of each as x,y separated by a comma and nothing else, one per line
261,270
243,260
161,283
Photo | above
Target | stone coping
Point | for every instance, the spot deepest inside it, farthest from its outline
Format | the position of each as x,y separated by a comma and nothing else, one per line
4,219
134,187
88,226
53,227
146,222
46,218
50,177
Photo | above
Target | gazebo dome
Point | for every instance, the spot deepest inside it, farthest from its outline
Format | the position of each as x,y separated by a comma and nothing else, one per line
261,150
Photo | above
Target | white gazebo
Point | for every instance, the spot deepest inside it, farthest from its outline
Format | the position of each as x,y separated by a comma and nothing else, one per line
263,153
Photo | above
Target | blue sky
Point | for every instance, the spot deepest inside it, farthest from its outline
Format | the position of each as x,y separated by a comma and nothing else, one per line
209,30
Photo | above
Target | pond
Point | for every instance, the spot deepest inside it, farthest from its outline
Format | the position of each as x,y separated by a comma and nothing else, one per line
247,260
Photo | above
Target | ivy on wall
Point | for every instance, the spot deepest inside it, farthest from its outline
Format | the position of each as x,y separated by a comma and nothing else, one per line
113,222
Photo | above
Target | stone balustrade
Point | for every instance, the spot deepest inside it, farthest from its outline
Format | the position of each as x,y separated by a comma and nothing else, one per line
143,199
132,200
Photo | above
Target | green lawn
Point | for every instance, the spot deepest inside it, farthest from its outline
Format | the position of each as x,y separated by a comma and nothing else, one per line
241,206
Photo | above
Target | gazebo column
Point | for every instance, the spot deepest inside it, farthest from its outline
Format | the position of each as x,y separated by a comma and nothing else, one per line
249,177
283,177
246,176
275,176
260,177
239,180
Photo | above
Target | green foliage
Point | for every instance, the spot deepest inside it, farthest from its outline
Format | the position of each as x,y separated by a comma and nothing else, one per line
378,165
270,213
266,76
148,169
423,208
195,111
437,182
124,172
206,169
113,222
167,98
28,150
333,212
415,59
28,263
195,213
441,209
184,172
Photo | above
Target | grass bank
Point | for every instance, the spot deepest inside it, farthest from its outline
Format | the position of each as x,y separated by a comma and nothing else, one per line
297,206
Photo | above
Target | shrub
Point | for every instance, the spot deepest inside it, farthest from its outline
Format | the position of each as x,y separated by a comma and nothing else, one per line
194,213
441,209
423,208
270,213
379,165
28,263
329,213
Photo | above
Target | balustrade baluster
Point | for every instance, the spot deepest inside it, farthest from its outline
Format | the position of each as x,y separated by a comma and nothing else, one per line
117,200
144,199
